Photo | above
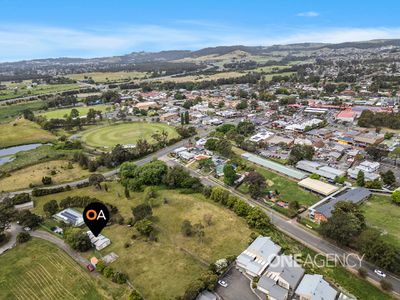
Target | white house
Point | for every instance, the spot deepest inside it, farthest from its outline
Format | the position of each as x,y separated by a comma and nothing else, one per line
100,242
314,287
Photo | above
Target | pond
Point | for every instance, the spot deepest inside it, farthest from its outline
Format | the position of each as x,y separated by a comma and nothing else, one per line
7,154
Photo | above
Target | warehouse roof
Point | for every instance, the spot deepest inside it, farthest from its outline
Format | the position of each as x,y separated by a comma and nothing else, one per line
318,186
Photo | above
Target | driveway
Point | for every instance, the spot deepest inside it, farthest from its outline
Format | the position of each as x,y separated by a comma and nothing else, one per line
238,287
12,231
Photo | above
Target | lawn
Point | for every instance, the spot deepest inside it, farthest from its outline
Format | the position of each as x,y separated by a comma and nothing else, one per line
39,270
22,178
23,91
174,261
382,214
8,112
198,78
60,113
126,133
102,77
22,132
288,189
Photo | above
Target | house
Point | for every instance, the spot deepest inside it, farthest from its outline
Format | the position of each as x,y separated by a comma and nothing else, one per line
276,140
168,117
147,105
318,186
368,139
99,242
368,168
324,211
286,272
273,291
261,136
206,295
257,257
70,216
314,287
186,155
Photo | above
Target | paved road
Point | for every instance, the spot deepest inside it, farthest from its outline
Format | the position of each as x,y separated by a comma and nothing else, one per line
310,239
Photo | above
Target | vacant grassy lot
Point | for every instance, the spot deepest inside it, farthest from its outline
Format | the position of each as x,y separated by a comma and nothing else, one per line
9,112
60,113
22,178
108,76
126,133
38,270
268,77
23,91
174,261
381,213
22,132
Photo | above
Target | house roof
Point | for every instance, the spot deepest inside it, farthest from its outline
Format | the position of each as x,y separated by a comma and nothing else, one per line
274,290
316,288
288,269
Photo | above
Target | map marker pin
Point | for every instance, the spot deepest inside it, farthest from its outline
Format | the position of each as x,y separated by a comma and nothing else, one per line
96,216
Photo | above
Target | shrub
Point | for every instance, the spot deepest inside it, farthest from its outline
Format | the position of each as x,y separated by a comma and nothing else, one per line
386,285
362,272
46,180
134,295
23,237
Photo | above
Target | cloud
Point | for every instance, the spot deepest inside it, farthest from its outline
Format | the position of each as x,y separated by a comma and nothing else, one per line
32,41
308,14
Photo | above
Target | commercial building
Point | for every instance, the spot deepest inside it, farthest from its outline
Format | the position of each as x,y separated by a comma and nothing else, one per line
318,186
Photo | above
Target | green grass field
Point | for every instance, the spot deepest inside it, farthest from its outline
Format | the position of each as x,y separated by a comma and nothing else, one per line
22,91
381,213
60,113
9,112
126,133
22,132
38,270
174,261
102,77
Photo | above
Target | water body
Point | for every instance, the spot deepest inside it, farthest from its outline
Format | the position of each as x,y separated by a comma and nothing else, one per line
7,154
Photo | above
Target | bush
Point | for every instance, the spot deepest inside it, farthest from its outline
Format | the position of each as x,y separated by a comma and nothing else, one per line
119,277
386,285
134,295
362,272
145,227
23,237
46,180
100,266
108,272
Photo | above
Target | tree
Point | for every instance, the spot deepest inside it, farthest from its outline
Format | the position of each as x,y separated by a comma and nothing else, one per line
142,211
74,113
77,239
134,295
219,194
206,164
96,179
127,194
396,196
300,152
23,237
245,128
28,219
345,224
377,250
144,226
187,118
224,147
388,178
363,272
28,115
50,207
256,183
119,277
257,219
360,178
225,128
377,153
386,285
242,105
211,144
186,228
241,208
229,174
46,180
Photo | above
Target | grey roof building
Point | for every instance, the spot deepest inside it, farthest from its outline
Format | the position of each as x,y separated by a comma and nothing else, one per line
314,287
257,257
272,289
285,271
356,196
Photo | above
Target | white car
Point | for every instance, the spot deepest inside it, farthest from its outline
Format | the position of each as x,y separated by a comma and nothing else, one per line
27,229
222,283
379,273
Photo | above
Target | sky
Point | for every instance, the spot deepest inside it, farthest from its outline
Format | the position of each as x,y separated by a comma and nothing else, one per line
86,28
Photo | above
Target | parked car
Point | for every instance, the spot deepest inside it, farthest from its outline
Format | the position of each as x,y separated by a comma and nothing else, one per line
90,267
222,283
27,228
379,273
